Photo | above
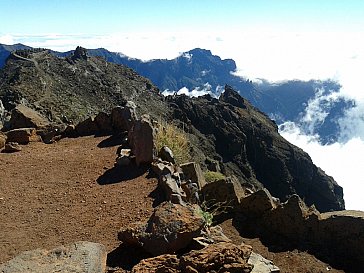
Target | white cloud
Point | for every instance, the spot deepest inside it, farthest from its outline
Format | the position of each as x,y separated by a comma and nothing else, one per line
196,92
6,39
342,161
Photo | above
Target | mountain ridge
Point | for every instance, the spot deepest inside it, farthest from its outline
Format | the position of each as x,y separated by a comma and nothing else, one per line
244,140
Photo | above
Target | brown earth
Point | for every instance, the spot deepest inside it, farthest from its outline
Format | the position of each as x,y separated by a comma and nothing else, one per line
69,191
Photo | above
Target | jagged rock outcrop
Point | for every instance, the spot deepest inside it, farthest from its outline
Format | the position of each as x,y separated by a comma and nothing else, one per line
335,237
25,117
170,228
251,148
220,257
80,257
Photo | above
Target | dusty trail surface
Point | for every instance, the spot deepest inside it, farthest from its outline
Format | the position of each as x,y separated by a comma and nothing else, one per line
57,194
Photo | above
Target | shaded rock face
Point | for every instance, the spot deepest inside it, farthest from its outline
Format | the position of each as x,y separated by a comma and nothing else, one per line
336,237
169,229
23,135
80,257
255,152
141,140
25,117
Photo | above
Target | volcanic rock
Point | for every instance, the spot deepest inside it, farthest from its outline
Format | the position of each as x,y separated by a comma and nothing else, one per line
25,117
23,135
123,117
141,140
80,257
169,229
192,171
220,257
12,147
251,148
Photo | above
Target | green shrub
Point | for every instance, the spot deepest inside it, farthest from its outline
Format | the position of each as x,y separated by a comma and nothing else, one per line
174,138
213,176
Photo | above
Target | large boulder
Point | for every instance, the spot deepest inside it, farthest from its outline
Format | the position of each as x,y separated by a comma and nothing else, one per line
166,263
87,127
103,122
141,140
23,135
170,228
80,257
193,172
227,192
25,117
123,117
257,203
220,257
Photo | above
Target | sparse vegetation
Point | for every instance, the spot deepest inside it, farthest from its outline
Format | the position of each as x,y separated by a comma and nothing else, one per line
176,139
211,209
213,176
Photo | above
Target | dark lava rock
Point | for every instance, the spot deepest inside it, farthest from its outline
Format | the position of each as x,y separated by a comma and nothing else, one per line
252,149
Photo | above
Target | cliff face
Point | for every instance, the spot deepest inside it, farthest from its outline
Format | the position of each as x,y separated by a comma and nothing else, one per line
229,130
248,144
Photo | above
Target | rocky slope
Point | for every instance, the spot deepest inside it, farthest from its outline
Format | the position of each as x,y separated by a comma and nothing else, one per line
247,144
244,141
71,89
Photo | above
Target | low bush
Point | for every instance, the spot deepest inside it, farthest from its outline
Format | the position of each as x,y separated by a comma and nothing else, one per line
213,176
174,138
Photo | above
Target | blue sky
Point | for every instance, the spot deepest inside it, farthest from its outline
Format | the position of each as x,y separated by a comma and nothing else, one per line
98,17
272,39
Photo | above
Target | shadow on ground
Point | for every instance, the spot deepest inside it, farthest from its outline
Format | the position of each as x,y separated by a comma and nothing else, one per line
111,141
122,173
125,257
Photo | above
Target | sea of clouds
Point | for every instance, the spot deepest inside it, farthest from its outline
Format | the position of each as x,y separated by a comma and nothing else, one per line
275,56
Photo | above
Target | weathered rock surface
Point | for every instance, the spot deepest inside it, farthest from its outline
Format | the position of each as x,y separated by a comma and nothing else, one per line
226,191
251,148
23,135
170,228
166,154
192,171
12,147
25,117
2,140
87,127
257,203
336,237
261,264
220,257
166,263
103,122
141,140
80,257
123,117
